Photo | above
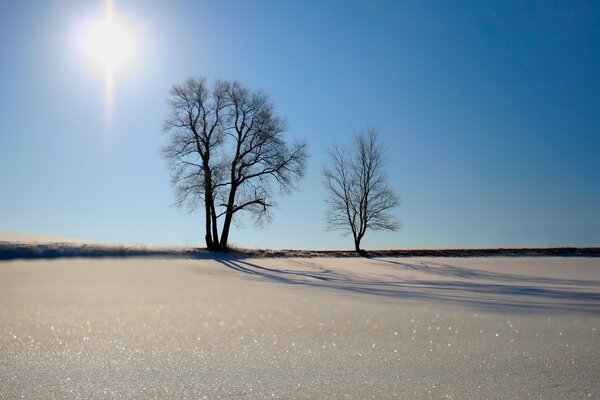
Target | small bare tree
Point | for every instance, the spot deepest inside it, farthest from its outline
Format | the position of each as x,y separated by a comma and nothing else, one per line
359,197
226,149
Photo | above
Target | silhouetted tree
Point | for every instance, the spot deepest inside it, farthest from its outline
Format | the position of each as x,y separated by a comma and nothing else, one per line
195,127
261,157
227,149
359,197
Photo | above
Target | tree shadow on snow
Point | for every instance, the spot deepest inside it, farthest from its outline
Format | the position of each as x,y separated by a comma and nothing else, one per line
476,288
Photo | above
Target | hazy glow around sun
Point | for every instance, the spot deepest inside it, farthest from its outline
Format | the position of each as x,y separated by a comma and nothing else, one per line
107,44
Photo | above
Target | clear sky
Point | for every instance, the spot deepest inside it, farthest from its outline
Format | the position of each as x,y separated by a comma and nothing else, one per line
489,111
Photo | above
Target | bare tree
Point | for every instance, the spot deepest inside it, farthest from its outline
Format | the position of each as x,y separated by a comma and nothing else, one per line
359,197
261,156
195,127
227,150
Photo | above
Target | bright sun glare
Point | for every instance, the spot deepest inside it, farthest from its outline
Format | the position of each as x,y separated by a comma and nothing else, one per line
109,45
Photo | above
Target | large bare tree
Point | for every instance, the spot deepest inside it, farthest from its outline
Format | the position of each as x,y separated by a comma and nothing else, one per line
261,157
359,198
195,127
227,149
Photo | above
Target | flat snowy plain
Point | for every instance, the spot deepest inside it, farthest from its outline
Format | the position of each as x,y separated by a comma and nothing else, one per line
143,328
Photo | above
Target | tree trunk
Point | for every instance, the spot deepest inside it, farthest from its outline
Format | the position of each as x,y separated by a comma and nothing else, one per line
225,232
207,235
215,228
211,237
226,225
357,245
228,217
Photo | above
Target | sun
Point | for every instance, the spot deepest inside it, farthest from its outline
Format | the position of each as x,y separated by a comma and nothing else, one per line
107,44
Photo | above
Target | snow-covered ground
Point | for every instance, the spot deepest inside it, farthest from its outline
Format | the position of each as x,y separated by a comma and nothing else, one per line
24,246
300,328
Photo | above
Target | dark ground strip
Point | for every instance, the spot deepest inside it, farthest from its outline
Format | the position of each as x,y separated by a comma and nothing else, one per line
15,251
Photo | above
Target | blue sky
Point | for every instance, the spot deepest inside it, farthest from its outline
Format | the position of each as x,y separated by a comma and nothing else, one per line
489,112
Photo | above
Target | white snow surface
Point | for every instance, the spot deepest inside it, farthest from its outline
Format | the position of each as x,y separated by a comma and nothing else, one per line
286,328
